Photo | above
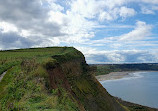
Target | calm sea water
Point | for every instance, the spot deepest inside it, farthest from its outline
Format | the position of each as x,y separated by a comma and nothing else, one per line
140,88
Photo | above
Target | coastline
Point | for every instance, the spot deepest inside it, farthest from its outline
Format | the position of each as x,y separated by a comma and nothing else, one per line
114,75
117,75
120,75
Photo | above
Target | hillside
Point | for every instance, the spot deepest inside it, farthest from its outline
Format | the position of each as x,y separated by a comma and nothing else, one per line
102,69
52,79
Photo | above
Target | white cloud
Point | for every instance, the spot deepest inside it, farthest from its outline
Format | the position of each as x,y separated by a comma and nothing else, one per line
85,8
150,1
145,10
141,31
137,38
32,18
52,22
57,17
118,56
101,9
7,27
115,57
155,8
48,19
24,33
105,16
127,12
53,5
115,3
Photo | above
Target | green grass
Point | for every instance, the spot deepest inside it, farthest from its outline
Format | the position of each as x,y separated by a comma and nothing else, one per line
51,79
14,57
107,68
26,83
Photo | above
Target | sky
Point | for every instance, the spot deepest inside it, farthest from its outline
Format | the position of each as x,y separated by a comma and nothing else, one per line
105,31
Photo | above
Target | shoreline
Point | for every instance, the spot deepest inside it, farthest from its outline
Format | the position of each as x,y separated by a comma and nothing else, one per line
120,75
117,75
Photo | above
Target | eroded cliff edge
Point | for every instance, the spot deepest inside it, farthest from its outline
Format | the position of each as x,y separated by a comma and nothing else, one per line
71,72
55,79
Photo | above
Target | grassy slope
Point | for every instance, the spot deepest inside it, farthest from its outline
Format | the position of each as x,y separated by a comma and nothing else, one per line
52,79
103,69
26,84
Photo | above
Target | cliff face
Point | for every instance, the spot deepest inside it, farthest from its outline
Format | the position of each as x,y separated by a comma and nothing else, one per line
73,74
56,78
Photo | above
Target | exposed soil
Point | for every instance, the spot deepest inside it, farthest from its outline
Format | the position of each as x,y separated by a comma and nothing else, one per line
1,76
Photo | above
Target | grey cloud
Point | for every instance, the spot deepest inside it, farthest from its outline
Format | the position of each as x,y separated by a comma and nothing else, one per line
98,58
12,40
47,29
142,56
20,10
129,57
29,15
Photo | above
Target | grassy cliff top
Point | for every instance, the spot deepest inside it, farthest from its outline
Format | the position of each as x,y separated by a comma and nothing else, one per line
9,58
20,54
52,79
26,85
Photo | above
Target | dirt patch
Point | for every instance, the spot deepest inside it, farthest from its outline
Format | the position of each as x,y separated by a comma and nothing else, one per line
1,76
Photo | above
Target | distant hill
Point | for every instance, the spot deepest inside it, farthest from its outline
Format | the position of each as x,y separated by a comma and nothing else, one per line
102,69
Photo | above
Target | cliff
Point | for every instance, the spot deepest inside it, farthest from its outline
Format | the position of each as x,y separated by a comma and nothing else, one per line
74,75
51,79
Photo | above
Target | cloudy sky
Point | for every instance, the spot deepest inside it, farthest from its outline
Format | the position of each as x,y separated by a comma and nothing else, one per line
106,31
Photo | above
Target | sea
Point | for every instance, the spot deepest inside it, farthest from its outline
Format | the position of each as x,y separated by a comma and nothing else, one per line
138,87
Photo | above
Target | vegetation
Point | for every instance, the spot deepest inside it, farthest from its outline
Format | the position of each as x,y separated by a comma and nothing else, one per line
107,68
52,79
26,83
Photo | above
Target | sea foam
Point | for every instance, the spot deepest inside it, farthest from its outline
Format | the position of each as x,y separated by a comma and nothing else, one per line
132,75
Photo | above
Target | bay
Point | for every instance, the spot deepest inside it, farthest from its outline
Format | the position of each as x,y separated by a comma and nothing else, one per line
139,87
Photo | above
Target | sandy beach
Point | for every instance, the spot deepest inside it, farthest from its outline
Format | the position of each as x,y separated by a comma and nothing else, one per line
117,75
114,75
